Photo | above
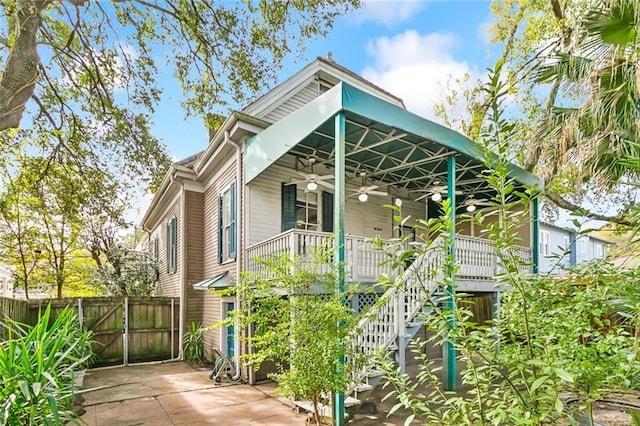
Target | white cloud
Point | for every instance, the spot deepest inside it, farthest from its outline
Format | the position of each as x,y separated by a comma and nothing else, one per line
417,68
387,12
483,32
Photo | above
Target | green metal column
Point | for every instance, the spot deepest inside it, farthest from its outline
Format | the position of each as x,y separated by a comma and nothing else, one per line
338,244
535,249
450,352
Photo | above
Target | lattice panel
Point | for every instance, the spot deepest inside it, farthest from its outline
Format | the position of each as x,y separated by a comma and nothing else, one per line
366,300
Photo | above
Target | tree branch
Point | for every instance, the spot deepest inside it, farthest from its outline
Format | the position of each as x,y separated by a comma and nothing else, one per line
568,205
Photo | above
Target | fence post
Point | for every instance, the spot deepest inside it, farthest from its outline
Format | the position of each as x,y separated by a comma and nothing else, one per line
80,313
125,342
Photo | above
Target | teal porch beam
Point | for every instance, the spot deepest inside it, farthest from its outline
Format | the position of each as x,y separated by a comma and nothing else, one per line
338,245
535,249
450,350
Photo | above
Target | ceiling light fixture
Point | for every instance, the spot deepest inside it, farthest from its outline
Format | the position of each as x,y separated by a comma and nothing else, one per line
312,186
363,197
436,197
471,208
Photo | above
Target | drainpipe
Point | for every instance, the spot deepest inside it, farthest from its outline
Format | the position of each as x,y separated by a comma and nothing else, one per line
183,273
236,329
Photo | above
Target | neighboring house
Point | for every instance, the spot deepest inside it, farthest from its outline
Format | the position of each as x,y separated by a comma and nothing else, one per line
268,182
6,281
560,248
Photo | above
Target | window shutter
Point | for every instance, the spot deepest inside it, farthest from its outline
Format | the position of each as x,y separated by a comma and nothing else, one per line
289,216
168,247
220,230
232,223
174,244
327,211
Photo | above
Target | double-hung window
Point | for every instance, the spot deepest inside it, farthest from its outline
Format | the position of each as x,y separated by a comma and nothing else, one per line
172,245
545,243
227,224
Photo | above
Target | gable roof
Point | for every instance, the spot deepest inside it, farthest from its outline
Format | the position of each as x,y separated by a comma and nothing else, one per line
320,68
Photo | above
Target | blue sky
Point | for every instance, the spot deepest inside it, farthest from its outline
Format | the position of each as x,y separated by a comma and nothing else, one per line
407,47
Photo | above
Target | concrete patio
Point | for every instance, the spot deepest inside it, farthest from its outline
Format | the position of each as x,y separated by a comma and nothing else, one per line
176,394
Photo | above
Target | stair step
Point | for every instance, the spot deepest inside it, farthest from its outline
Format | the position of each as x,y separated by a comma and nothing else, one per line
323,409
363,387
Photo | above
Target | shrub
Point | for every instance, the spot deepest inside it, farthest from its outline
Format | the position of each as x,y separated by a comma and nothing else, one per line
194,344
37,369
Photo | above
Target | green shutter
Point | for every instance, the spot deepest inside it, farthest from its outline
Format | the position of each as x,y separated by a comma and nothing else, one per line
289,216
220,229
232,220
168,246
174,244
327,211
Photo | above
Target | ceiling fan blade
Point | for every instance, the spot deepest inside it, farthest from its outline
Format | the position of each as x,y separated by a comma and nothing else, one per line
304,175
370,188
382,193
325,177
325,184
296,182
423,196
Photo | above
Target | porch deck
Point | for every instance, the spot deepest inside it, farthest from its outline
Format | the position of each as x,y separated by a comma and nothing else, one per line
475,257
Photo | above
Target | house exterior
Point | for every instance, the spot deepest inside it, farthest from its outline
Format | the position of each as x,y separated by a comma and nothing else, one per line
561,248
6,281
314,160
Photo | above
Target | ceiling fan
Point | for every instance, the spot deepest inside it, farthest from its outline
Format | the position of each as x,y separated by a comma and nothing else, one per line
364,191
471,203
436,192
311,179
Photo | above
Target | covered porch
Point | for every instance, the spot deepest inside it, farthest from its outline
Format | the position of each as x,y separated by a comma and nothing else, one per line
364,262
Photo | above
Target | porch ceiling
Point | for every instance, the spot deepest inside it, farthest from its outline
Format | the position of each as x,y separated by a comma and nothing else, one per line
393,146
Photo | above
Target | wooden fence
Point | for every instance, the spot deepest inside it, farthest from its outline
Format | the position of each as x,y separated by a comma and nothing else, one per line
132,329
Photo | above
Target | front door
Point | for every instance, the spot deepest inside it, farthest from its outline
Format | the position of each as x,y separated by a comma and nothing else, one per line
230,333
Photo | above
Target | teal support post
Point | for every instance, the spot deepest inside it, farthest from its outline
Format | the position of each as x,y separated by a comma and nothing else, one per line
535,249
450,349
338,245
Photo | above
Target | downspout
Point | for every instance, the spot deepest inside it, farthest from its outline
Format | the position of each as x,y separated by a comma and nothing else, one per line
236,329
183,274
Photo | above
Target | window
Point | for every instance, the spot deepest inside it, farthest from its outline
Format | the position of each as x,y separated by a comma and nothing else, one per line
227,224
306,210
566,243
154,251
172,245
545,243
599,251
582,244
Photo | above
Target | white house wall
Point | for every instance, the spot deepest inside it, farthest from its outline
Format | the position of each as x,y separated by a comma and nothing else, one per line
556,260
302,97
264,215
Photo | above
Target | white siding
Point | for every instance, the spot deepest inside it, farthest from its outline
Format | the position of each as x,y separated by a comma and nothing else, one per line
291,104
368,219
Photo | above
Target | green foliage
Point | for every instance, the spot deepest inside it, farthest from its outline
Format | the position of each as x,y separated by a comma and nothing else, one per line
128,272
193,343
552,341
295,316
37,369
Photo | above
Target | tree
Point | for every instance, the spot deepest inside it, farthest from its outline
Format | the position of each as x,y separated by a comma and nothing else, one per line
535,34
84,74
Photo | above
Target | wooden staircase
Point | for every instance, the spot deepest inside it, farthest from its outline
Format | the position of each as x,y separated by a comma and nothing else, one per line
390,324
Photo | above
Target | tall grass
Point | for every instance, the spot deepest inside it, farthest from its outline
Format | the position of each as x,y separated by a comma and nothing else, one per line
37,369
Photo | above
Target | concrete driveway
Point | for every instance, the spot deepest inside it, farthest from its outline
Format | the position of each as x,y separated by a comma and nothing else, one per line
176,394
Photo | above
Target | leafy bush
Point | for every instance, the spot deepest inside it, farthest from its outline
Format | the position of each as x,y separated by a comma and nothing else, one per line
37,369
194,344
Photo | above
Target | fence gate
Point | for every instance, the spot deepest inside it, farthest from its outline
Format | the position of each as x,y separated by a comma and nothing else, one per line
133,329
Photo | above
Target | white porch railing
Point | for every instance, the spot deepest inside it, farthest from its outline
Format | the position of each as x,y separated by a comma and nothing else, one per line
475,257
362,258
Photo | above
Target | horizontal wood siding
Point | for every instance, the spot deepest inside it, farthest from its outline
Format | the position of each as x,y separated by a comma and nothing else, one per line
194,255
211,267
362,219
291,104
169,283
